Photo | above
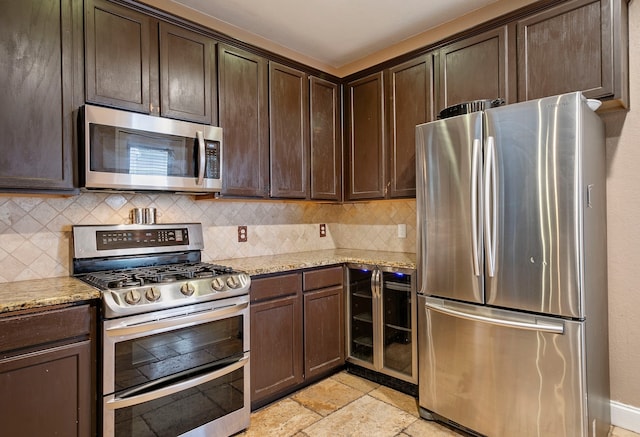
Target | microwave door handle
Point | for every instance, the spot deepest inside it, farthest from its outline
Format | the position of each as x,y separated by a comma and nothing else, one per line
201,157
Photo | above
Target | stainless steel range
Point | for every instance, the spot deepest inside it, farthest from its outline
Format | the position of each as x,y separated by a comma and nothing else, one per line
175,331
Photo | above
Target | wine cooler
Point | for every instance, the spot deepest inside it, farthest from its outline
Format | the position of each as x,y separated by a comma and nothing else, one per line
381,320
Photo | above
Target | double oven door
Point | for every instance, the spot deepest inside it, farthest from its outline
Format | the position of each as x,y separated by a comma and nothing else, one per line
182,371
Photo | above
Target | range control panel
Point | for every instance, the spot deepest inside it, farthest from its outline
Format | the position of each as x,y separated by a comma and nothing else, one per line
98,241
128,239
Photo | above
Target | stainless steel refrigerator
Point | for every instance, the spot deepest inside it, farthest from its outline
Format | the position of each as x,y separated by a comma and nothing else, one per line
512,279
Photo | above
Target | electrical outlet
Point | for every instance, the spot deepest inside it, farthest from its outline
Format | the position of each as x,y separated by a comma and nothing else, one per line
323,230
402,230
242,234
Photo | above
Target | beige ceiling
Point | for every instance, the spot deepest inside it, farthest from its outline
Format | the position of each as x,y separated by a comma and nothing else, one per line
339,36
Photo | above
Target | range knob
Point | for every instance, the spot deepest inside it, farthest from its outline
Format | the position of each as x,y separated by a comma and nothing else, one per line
217,284
187,289
233,282
152,294
132,297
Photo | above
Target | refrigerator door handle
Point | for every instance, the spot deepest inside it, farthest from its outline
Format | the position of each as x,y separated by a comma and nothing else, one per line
553,328
474,206
490,206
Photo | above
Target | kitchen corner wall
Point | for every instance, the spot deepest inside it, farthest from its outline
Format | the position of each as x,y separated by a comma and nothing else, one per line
35,232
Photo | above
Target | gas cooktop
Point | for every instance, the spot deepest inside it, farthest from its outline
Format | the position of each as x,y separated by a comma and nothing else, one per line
144,268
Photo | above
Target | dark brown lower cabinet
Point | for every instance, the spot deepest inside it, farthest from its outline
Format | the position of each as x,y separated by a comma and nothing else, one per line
276,336
46,373
323,330
296,337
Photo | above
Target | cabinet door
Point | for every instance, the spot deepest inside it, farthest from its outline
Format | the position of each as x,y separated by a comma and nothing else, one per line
323,331
37,66
245,119
366,154
118,56
410,98
276,347
326,150
567,48
288,131
47,392
476,68
187,74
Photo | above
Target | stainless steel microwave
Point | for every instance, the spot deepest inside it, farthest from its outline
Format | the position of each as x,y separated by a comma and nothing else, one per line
136,152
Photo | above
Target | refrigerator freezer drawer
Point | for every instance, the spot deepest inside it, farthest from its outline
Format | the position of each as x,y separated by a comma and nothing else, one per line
495,372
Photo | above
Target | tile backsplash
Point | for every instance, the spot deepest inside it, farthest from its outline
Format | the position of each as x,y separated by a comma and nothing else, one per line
35,232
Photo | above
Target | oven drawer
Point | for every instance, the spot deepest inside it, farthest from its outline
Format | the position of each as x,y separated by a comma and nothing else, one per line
213,404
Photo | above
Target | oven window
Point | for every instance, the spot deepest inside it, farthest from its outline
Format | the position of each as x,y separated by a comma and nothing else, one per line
156,356
176,414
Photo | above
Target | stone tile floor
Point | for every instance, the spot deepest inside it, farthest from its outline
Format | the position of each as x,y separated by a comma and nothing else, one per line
347,405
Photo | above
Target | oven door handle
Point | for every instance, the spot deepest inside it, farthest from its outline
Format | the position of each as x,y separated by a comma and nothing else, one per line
120,402
175,321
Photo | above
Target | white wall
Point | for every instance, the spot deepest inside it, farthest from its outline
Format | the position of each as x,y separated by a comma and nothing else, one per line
623,227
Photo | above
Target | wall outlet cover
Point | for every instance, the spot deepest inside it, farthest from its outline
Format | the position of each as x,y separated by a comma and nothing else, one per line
242,234
323,230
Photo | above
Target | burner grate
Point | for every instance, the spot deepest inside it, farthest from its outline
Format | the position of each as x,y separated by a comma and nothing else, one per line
117,279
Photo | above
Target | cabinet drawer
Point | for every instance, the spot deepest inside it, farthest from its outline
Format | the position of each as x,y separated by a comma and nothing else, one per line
275,286
27,330
315,279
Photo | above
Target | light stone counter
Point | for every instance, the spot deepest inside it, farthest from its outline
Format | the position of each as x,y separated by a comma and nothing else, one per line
37,293
260,265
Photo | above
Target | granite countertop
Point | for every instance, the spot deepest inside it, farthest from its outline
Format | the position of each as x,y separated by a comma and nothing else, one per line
260,265
38,293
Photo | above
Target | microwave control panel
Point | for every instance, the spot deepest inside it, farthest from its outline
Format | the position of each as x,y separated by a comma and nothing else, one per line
212,159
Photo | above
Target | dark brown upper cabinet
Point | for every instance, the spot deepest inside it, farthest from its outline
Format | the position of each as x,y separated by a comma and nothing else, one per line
41,71
117,56
187,75
579,45
410,102
326,149
366,155
288,131
137,63
476,68
244,118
